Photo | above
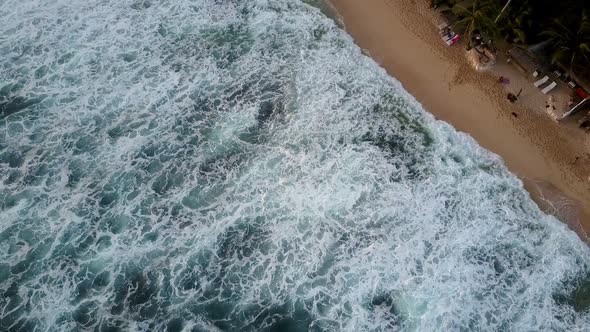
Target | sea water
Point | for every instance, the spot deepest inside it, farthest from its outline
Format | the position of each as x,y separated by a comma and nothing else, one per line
204,165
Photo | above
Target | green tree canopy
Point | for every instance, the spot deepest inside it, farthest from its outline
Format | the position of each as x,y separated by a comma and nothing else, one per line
479,16
570,43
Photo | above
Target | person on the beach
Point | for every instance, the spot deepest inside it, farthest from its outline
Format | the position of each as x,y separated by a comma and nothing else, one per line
447,33
512,98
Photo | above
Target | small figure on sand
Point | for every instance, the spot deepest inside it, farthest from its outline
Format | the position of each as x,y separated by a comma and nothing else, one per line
550,104
512,97
503,80
446,32
576,160
570,103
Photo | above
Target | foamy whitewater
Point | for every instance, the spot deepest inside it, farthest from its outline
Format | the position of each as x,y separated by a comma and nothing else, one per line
203,165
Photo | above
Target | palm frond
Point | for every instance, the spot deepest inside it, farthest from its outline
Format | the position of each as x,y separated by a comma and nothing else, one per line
520,34
558,55
584,29
551,34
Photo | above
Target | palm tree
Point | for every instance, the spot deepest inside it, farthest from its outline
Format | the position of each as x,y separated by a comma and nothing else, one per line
478,17
570,43
518,21
502,11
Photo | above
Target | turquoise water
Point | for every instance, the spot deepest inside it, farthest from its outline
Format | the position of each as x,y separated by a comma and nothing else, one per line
203,165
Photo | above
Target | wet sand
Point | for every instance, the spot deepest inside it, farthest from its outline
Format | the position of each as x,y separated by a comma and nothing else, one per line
551,159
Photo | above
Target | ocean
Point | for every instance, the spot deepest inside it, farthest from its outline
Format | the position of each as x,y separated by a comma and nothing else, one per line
240,165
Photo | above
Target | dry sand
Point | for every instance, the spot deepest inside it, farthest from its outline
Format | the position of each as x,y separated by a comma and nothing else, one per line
552,159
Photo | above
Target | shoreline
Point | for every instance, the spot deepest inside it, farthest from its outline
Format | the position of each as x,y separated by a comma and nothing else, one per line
400,36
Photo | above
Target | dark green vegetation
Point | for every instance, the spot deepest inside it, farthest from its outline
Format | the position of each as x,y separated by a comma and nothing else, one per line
561,27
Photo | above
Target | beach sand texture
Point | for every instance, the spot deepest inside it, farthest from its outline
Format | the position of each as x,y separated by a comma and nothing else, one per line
552,159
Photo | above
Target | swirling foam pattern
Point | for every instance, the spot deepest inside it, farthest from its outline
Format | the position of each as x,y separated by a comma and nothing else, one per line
207,165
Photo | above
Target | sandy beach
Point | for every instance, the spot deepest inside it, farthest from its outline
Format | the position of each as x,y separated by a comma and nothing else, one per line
552,159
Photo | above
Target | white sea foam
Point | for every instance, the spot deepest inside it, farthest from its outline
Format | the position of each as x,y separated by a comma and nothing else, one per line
241,165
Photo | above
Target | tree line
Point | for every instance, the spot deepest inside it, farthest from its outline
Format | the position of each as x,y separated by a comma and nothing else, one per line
562,26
